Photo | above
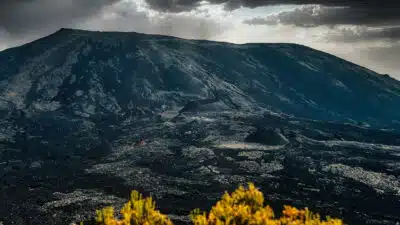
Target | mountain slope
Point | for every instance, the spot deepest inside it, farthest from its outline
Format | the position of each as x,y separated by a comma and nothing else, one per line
93,73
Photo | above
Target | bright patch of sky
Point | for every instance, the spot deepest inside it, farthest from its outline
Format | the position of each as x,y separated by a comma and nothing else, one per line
238,32
238,15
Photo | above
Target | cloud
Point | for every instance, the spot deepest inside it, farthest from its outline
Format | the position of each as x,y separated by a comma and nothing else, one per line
187,5
125,16
374,20
260,21
357,34
19,16
365,22
23,21
317,15
173,5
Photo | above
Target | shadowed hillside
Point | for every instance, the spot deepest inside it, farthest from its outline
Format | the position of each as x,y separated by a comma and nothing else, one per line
104,75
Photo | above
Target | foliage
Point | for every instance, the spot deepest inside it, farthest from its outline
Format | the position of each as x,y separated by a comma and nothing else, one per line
245,206
137,211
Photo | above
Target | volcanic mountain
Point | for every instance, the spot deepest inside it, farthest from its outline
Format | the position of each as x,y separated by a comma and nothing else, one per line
307,127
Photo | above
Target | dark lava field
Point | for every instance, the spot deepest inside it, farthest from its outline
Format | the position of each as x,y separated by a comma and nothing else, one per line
308,128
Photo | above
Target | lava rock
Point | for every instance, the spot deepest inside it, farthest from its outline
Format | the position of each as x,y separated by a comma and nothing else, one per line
267,136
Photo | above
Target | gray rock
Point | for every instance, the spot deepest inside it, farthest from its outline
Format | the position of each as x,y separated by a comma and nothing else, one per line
267,136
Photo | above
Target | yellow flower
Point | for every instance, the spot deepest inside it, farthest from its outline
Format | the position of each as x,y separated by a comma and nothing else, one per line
245,206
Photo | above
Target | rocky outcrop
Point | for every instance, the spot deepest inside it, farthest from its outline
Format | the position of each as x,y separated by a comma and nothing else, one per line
267,136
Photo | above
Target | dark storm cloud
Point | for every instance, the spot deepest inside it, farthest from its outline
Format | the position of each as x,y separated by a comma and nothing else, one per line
22,21
19,17
186,5
173,5
315,15
376,20
321,12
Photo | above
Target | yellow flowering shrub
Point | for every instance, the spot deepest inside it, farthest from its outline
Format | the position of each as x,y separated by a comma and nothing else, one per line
137,211
245,206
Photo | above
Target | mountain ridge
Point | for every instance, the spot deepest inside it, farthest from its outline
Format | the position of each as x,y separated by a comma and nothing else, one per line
271,80
74,30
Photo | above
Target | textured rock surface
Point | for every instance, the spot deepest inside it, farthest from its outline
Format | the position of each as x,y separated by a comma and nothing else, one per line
73,105
267,136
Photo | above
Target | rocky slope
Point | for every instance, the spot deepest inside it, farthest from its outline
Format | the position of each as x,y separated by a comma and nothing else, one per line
308,128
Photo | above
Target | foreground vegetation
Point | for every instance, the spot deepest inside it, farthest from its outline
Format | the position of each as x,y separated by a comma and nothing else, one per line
245,206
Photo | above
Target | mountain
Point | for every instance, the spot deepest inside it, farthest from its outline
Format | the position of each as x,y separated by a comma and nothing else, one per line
308,127
88,74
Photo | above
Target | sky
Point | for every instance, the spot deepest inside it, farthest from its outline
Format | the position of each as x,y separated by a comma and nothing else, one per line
366,32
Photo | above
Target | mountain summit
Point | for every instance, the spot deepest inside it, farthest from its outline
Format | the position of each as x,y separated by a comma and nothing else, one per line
109,74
